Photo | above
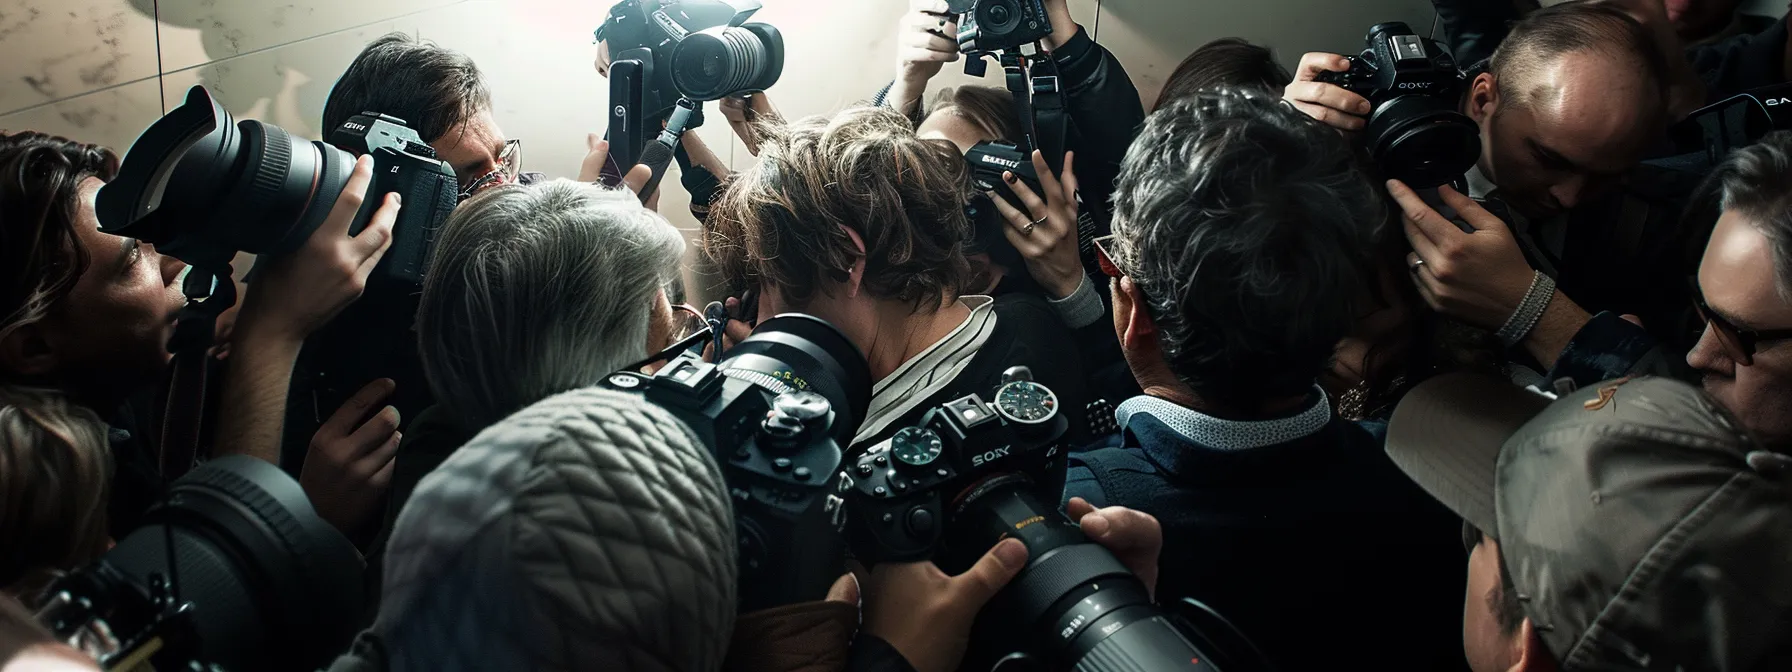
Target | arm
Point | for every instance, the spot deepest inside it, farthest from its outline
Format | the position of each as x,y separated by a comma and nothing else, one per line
926,40
292,297
1100,99
1608,346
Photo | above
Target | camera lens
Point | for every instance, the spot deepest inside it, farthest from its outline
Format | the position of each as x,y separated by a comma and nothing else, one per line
270,581
711,64
998,16
1421,141
200,186
798,352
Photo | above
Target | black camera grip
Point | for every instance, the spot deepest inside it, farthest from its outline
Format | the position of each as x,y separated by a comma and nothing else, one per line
657,156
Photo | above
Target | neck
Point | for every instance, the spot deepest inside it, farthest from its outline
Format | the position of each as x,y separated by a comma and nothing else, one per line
1174,391
904,333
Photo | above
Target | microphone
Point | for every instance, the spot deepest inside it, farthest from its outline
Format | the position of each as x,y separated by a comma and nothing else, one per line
589,530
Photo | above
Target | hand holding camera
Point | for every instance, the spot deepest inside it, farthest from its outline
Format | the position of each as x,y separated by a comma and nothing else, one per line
1335,105
1479,277
1048,240
349,466
927,615
298,293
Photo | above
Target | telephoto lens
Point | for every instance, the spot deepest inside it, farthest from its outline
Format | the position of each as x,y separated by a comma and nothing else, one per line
233,569
718,62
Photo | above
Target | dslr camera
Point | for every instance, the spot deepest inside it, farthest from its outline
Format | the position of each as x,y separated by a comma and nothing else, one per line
976,471
201,187
1415,132
996,25
233,570
776,410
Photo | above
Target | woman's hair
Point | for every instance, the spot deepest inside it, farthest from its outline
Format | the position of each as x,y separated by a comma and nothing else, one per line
41,257
990,108
1228,62
784,221
535,290
55,473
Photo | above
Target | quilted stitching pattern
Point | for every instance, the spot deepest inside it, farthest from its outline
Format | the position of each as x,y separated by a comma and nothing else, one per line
591,530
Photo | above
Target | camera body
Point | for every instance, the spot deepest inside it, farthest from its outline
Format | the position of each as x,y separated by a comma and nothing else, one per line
903,493
1415,131
987,161
776,411
996,25
405,164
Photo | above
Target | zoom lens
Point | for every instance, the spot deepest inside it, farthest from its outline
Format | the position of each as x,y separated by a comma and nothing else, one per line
270,585
794,352
713,63
1074,603
201,186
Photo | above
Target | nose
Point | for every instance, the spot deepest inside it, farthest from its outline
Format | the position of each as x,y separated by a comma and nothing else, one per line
170,266
1708,355
1567,193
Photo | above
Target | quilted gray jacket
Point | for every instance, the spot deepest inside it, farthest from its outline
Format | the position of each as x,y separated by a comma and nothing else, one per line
590,531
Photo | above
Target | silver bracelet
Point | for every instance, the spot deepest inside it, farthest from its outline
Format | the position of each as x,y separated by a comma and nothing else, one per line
1530,310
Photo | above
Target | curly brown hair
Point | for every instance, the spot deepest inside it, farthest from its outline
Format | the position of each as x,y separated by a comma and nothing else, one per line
41,257
783,221
56,471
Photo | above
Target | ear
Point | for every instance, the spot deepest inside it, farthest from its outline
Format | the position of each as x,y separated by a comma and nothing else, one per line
856,274
1137,325
1483,98
1530,655
27,352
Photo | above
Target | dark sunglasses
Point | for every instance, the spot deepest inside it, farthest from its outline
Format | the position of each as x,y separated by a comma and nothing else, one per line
1740,344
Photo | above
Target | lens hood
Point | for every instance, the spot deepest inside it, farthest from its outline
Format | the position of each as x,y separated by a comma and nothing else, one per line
1420,141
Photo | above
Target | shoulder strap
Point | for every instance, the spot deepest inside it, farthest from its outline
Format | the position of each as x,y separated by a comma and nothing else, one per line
184,400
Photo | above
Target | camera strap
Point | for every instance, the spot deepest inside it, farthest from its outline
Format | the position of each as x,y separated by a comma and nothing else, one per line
184,399
1038,95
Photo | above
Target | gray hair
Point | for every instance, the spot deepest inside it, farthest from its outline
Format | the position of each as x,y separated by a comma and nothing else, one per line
539,289
1756,181
1248,227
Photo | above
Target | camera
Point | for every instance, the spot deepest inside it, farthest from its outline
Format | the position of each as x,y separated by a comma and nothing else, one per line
1415,132
1699,142
201,187
995,25
233,570
987,161
697,49
776,410
974,472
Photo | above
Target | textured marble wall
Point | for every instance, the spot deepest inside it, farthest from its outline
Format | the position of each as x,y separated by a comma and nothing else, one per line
102,70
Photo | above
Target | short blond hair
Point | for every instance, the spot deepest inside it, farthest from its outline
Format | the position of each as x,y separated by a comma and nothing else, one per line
55,473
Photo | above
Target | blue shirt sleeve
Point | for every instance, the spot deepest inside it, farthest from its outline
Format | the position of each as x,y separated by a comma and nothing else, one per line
1609,347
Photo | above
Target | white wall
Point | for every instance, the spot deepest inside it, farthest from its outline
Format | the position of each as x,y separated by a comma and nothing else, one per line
102,70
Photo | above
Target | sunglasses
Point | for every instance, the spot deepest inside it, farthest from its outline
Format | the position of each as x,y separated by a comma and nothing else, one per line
1740,344
510,165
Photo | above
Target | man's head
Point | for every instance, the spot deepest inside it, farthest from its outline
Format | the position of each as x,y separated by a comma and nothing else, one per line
1629,525
438,92
1746,283
1243,229
591,530
844,216
1225,62
86,312
540,289
1570,100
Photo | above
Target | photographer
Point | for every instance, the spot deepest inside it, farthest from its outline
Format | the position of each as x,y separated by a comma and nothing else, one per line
1241,257
54,469
89,314
1225,62
1566,107
857,221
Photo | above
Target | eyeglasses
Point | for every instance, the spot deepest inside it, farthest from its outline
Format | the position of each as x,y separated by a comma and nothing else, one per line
1740,344
686,321
1105,259
510,165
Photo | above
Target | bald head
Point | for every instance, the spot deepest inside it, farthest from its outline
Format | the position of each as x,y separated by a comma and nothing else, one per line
1529,64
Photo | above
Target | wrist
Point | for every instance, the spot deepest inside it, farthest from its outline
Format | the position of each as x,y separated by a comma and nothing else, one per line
258,330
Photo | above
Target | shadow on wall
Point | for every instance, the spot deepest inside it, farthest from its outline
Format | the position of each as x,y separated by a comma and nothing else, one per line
243,81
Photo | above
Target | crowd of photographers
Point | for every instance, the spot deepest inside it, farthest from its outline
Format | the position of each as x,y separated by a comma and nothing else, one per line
1015,374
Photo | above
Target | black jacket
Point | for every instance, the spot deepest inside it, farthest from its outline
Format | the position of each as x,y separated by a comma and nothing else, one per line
1741,63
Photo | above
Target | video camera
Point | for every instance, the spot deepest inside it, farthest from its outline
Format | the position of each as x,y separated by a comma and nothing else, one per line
1415,132
234,570
696,50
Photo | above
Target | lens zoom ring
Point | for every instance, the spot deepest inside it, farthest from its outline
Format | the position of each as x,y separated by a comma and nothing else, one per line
1108,656
286,530
1058,573
270,174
